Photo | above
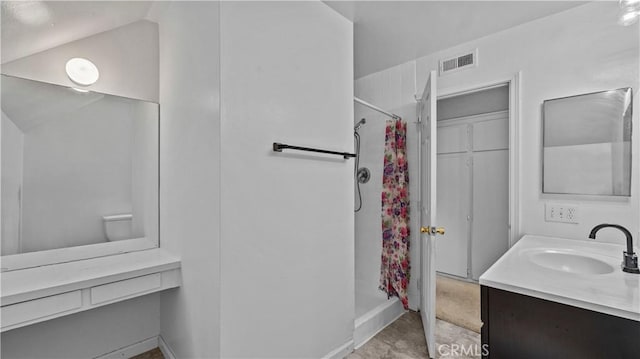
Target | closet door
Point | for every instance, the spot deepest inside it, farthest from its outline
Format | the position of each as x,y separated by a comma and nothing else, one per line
490,226
454,197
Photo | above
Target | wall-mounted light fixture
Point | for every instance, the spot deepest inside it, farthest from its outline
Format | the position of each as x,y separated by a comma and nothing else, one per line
629,13
82,71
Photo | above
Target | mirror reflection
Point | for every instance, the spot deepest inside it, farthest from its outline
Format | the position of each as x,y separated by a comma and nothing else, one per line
587,144
78,168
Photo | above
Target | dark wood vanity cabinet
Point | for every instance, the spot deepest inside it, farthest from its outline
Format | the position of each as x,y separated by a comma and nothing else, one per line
520,326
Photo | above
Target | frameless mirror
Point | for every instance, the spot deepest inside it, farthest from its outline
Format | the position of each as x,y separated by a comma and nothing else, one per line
587,144
79,169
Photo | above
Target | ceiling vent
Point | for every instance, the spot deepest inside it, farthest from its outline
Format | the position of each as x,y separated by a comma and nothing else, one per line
459,62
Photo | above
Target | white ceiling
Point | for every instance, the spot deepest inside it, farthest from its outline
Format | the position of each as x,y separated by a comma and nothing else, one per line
32,26
389,33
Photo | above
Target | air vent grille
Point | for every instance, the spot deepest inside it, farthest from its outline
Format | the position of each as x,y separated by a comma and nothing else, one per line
450,64
465,60
459,62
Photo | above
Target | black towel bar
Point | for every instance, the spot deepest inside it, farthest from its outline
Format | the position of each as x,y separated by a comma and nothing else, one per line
278,147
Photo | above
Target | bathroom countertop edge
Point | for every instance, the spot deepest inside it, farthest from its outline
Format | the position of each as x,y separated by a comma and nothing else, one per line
39,282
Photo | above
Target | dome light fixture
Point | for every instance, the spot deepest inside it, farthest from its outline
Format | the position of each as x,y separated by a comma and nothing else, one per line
630,12
82,71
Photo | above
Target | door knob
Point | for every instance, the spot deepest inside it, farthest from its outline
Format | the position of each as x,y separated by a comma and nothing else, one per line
434,230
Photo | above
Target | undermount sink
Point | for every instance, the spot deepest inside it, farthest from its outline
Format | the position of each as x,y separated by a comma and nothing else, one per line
570,262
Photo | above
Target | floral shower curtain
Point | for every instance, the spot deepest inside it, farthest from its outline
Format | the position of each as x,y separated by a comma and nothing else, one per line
395,267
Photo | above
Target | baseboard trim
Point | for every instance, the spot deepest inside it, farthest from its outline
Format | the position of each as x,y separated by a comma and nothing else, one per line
341,352
374,321
132,350
165,349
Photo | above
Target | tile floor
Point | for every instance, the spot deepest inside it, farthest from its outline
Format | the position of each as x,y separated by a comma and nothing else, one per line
404,339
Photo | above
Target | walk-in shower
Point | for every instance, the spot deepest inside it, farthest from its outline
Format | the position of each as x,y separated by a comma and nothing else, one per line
373,309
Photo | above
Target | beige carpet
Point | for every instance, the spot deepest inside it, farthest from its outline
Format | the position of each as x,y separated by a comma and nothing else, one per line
458,302
151,354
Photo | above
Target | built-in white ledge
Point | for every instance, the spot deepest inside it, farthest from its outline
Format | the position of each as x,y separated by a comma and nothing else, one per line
38,294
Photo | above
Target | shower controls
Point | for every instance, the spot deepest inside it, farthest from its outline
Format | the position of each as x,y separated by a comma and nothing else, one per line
359,124
363,175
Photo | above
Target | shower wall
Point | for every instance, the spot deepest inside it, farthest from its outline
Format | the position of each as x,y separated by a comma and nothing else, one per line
392,91
368,238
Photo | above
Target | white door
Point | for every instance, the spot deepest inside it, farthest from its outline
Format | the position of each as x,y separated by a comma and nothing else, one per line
428,174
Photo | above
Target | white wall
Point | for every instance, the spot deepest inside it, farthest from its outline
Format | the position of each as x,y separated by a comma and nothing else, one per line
190,174
12,153
127,58
95,332
86,334
287,219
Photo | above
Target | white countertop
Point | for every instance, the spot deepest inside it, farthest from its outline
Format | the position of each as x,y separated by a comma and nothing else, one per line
27,284
616,293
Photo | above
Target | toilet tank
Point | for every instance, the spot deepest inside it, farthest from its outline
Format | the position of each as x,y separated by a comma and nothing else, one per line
118,226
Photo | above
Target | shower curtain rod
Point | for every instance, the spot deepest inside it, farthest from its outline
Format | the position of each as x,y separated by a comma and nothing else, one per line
365,103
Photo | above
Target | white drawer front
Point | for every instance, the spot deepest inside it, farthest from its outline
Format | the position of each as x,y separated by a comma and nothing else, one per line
125,288
40,308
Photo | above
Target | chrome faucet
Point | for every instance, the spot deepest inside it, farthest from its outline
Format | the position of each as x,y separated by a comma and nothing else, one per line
629,259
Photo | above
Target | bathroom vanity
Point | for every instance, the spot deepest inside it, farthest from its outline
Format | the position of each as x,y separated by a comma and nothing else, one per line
560,298
80,203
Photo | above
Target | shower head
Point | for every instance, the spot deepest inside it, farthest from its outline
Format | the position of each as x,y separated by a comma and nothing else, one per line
359,124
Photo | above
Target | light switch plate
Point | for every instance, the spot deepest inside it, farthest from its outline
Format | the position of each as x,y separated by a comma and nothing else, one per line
563,213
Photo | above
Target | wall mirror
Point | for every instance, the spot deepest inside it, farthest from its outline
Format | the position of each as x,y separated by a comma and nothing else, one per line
587,144
79,174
